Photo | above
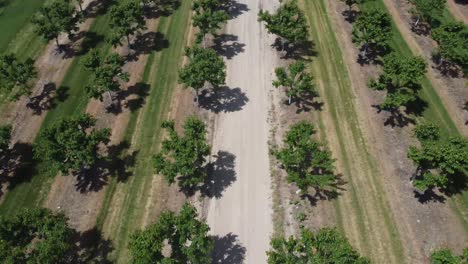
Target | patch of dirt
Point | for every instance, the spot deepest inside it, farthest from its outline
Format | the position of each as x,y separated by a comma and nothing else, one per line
459,9
452,91
422,226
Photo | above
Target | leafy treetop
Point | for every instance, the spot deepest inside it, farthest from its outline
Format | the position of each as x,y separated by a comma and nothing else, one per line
446,256
295,79
441,161
16,75
5,136
184,156
188,239
372,30
35,236
323,247
68,145
205,66
107,70
400,78
126,19
55,18
427,10
453,43
288,22
307,162
208,17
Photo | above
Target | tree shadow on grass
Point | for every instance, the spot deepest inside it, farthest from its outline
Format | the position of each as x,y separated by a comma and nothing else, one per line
90,40
221,174
456,185
350,15
300,51
333,192
233,8
91,247
227,45
117,164
48,98
399,118
223,99
147,43
133,98
228,250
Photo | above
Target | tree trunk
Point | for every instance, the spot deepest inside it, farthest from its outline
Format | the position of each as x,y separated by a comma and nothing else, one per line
128,41
57,42
289,99
81,8
417,22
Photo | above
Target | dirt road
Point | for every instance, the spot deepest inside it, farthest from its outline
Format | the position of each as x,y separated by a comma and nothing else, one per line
459,10
244,209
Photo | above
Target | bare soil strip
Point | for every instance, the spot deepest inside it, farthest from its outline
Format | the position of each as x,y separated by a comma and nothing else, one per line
458,10
244,207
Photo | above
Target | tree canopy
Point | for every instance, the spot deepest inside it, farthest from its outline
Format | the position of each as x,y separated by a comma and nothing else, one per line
307,162
323,247
16,75
35,236
427,10
126,19
446,256
183,157
441,161
453,43
204,66
68,145
371,31
400,78
55,18
187,237
288,22
296,80
5,136
106,73
208,17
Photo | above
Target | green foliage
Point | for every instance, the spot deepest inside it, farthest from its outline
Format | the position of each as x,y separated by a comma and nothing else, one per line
288,22
307,162
372,31
106,72
446,256
184,156
68,145
453,43
428,10
427,131
16,75
208,17
55,18
296,80
5,136
35,236
204,66
126,19
400,78
187,237
323,247
441,161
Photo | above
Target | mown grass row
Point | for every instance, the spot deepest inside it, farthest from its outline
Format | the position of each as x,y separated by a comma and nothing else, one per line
35,178
161,74
332,76
435,112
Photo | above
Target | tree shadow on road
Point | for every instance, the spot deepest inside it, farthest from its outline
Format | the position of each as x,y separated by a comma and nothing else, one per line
221,175
332,192
228,250
47,99
91,247
299,51
223,99
17,166
98,7
227,45
233,8
147,43
133,98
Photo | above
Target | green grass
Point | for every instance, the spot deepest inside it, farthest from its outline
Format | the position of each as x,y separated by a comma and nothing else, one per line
31,193
436,111
329,69
161,74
